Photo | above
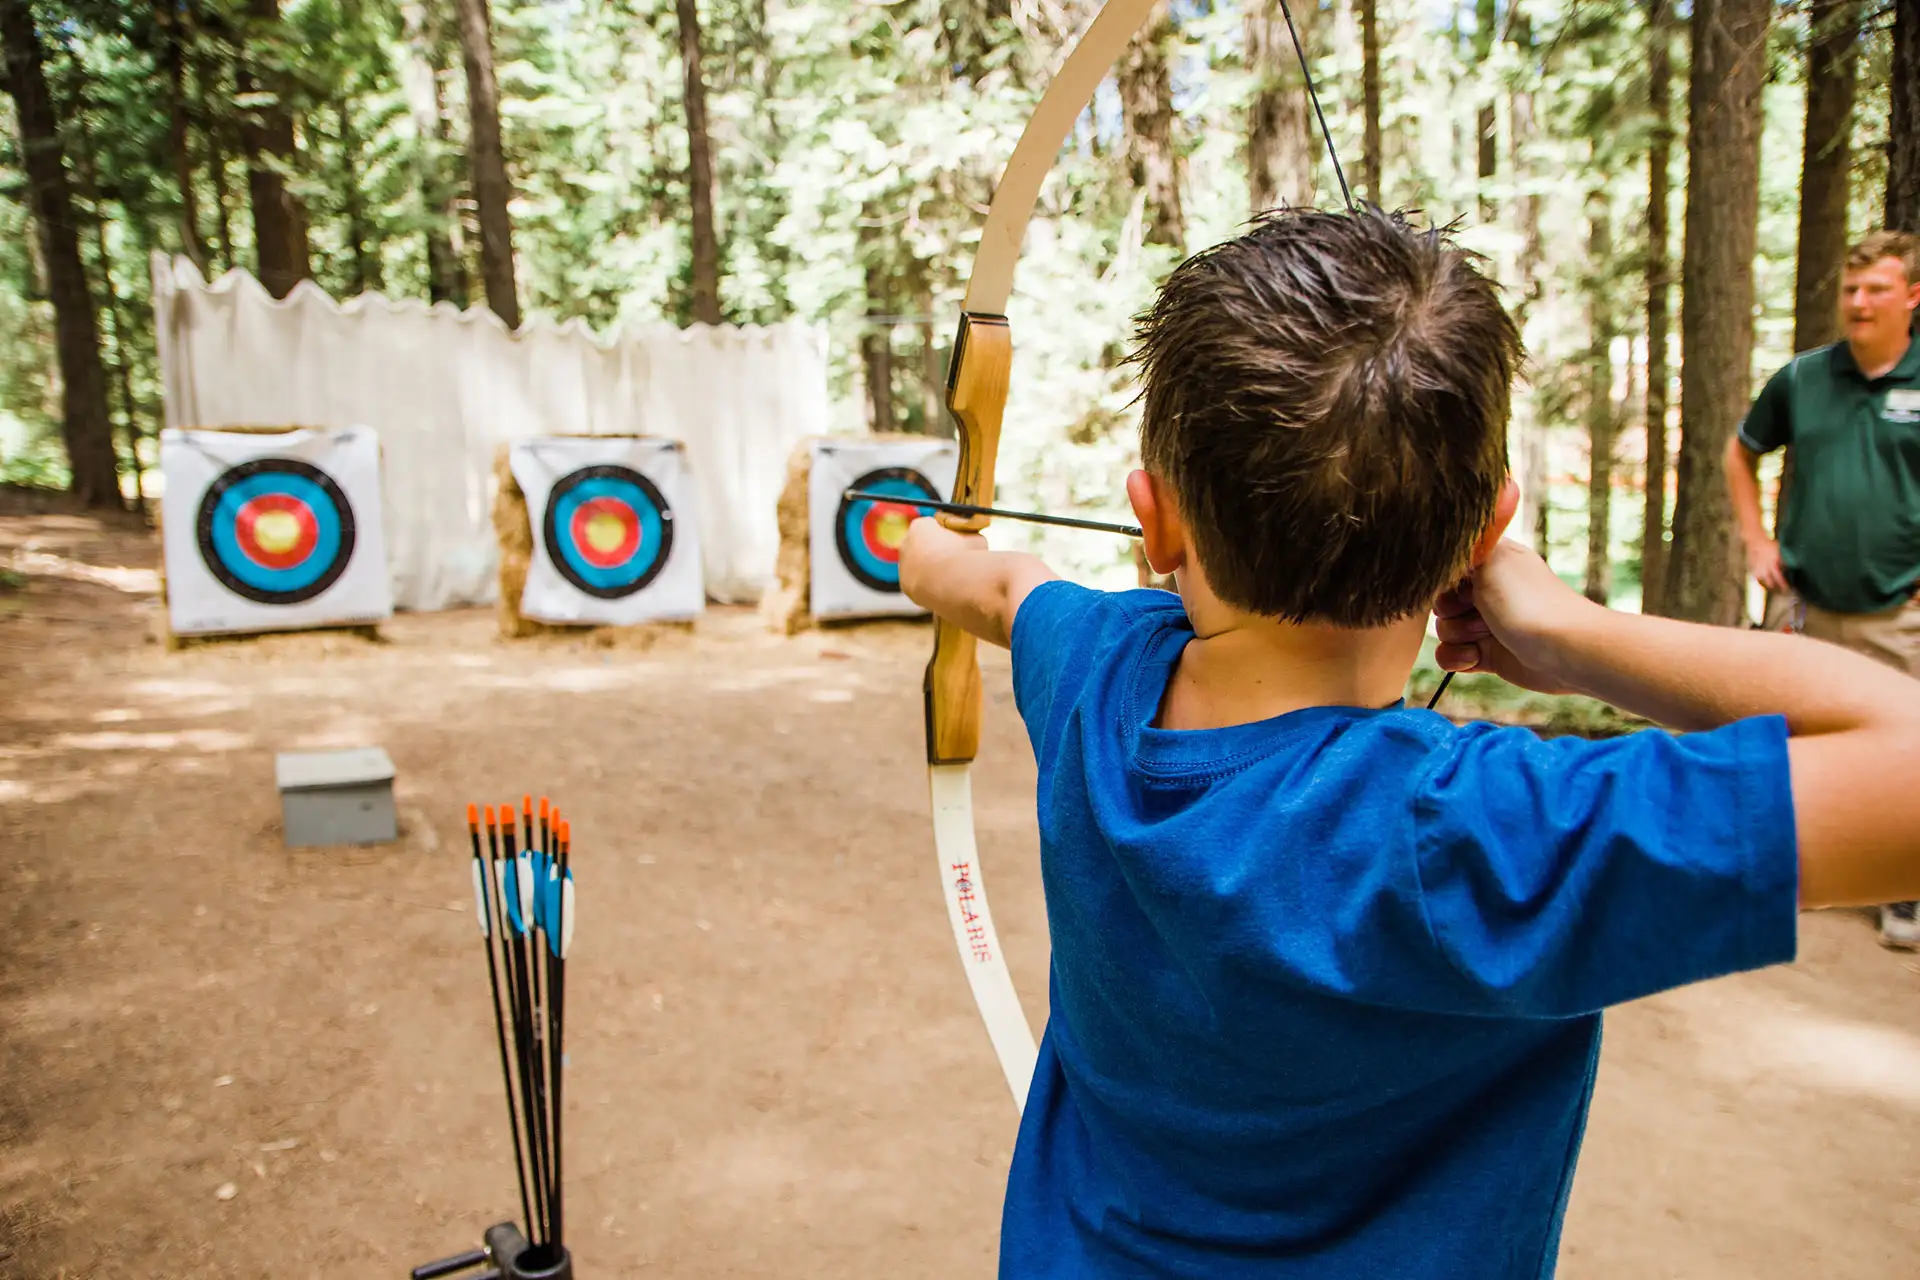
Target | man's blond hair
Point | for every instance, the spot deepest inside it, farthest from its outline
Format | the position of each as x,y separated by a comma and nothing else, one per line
1887,244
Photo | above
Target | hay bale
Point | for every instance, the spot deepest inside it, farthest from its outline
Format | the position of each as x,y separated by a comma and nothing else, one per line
786,606
513,530
163,629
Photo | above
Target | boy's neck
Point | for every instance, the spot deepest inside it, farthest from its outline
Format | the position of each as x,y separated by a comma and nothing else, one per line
1240,668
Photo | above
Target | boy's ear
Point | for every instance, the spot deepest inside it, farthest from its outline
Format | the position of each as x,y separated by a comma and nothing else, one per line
1503,508
1164,535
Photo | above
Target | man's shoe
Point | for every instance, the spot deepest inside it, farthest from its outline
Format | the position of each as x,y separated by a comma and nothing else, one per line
1899,928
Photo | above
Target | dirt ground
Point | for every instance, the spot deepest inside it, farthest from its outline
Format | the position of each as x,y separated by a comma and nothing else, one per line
775,1065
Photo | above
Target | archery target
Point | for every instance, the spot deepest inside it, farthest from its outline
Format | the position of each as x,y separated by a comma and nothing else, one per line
613,531
855,542
608,530
265,532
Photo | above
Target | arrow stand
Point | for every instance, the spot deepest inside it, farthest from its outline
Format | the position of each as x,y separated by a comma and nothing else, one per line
506,1255
523,904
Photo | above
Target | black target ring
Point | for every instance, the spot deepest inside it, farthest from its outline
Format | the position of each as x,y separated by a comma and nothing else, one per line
607,496
872,562
276,531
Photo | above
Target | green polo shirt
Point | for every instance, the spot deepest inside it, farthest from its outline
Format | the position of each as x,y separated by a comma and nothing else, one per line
1850,533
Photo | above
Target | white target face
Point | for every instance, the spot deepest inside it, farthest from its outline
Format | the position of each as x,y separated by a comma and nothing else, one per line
854,544
272,532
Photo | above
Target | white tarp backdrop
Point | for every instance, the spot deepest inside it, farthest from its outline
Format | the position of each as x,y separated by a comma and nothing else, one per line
644,565
443,388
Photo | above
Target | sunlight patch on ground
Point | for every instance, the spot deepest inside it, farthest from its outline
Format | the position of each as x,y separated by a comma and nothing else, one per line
43,564
755,681
571,679
205,740
1821,1051
183,689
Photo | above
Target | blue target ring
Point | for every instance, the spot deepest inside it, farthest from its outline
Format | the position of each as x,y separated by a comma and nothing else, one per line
275,530
867,532
608,530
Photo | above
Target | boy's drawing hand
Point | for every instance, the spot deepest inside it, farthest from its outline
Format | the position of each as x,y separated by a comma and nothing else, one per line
1507,618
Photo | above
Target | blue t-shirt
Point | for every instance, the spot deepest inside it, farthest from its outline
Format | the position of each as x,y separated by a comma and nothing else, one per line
1325,988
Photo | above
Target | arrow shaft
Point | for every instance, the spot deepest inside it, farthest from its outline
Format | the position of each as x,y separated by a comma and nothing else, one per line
964,509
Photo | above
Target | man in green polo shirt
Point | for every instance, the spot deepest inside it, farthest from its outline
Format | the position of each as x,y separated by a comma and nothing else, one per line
1849,545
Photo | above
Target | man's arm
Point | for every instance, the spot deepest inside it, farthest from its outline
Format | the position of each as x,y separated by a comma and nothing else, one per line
1767,426
1743,484
1854,754
956,577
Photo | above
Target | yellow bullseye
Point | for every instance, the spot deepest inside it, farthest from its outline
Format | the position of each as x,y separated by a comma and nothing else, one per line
276,532
605,533
891,528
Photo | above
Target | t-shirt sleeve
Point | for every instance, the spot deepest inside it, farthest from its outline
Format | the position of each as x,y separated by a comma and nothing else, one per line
1769,421
1051,633
1562,876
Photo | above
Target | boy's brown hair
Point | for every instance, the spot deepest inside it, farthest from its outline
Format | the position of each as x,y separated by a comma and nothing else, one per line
1876,245
1328,397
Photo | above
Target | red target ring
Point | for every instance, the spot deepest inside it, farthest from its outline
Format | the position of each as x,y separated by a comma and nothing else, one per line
275,530
606,532
884,529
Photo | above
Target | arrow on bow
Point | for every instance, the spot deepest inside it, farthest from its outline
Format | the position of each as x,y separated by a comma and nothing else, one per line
977,382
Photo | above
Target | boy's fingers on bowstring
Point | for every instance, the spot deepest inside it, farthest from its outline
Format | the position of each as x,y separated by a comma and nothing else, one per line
1455,602
959,523
1465,628
1457,657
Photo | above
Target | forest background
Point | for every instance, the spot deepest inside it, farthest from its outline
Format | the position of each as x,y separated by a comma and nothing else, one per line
1664,192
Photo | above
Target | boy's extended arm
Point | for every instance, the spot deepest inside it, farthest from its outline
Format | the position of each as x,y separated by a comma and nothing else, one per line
1854,755
957,577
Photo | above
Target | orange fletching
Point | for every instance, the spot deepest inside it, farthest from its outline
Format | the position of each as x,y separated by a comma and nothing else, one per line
473,817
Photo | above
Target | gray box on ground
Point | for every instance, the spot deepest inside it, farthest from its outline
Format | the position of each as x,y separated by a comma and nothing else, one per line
336,797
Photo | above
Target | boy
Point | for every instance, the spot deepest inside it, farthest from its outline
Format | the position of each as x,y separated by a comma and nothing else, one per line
1327,970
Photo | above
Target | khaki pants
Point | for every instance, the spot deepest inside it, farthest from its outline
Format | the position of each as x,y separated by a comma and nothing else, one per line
1892,637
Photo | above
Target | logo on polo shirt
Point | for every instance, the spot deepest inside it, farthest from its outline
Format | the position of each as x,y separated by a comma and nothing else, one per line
1903,405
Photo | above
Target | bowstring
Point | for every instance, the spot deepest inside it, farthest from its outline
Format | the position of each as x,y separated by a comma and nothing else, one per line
1346,195
1313,96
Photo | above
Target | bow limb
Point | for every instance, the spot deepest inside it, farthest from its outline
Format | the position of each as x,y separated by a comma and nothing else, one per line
977,383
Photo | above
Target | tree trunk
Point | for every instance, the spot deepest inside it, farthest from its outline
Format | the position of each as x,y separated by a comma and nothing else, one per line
1146,104
1903,135
174,36
122,361
85,427
1653,526
222,197
876,337
488,162
1716,300
932,385
1600,417
1280,138
366,261
1825,165
1527,426
266,132
1370,98
1486,125
445,281
87,175
706,246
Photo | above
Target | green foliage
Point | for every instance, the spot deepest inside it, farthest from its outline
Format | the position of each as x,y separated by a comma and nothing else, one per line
856,148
